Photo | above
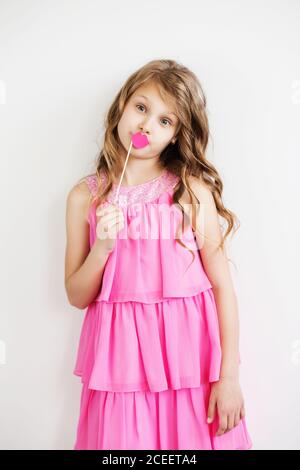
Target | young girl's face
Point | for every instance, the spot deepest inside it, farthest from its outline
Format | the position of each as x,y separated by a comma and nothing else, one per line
146,112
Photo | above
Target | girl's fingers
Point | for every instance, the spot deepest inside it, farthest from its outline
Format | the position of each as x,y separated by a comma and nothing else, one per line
112,231
109,225
111,216
211,408
230,421
237,418
222,424
100,211
117,220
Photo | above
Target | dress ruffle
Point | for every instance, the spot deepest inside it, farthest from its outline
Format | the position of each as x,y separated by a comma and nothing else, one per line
133,346
172,419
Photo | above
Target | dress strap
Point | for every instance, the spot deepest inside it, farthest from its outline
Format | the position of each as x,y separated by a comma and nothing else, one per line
92,183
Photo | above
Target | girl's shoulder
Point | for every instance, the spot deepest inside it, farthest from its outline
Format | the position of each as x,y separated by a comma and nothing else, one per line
81,194
89,184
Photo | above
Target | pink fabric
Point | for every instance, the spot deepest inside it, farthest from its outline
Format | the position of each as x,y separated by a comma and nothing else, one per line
171,419
151,269
150,347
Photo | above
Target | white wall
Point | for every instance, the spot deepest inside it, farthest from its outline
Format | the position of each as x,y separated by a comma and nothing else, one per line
61,64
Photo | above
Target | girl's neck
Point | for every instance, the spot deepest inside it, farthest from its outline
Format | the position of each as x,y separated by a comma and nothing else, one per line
134,177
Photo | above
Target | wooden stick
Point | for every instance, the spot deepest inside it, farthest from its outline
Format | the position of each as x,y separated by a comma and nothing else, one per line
118,189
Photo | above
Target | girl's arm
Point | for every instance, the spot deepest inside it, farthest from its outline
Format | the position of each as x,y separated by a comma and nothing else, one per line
83,266
217,269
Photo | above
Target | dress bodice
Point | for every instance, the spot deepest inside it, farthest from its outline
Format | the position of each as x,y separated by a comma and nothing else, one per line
147,263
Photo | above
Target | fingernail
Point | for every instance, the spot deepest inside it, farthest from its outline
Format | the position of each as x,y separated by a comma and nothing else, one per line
209,420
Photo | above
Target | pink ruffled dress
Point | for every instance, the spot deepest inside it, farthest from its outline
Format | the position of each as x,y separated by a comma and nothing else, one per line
150,347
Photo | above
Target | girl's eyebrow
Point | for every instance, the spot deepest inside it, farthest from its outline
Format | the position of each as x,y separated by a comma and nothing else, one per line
142,96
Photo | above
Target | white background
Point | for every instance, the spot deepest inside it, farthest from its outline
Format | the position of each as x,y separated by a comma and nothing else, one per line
61,64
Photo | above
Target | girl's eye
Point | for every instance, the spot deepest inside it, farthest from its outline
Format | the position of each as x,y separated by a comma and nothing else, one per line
140,105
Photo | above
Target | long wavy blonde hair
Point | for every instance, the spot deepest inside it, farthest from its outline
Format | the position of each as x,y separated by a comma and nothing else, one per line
184,158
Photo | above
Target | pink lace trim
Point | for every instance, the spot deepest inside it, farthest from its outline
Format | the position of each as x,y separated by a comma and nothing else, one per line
92,184
144,192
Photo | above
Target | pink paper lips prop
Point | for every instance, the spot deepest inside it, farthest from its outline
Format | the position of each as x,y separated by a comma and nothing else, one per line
139,140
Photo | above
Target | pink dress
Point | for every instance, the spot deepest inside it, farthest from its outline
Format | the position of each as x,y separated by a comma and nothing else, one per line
150,347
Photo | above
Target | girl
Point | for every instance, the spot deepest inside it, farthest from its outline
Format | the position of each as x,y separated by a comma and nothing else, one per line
158,353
